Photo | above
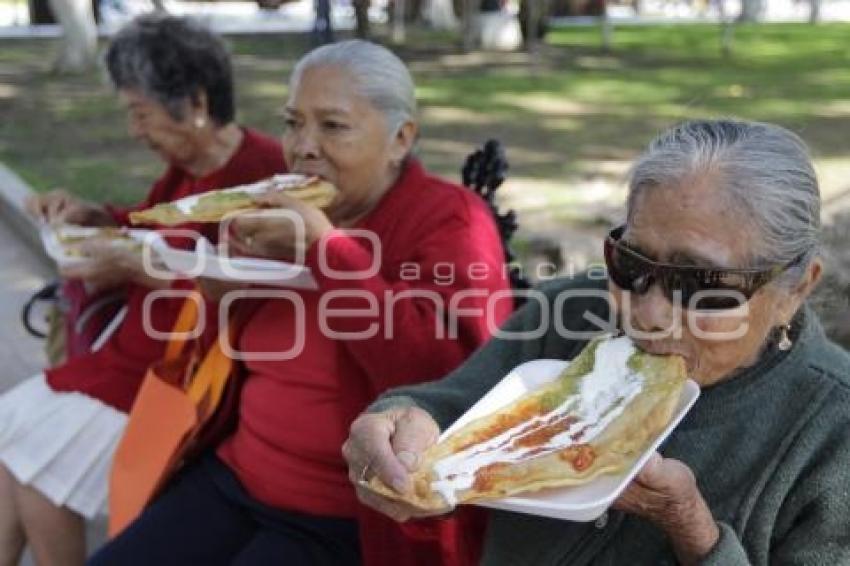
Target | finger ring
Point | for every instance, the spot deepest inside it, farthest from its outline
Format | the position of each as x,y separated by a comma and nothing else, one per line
362,478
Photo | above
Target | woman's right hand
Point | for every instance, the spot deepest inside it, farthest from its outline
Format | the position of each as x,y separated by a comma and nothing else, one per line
390,445
61,207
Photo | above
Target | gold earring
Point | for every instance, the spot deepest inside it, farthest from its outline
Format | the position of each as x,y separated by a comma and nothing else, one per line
200,122
784,340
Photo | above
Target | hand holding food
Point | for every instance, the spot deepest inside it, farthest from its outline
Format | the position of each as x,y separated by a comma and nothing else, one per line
597,418
665,492
103,257
106,266
389,446
84,242
61,207
270,234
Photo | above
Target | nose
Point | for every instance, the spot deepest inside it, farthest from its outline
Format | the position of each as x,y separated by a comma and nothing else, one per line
305,143
652,311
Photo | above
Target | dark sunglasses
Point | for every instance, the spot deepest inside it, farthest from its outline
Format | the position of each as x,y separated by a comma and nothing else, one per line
696,288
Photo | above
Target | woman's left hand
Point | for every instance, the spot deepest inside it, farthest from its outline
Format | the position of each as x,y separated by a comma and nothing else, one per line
108,266
278,236
666,493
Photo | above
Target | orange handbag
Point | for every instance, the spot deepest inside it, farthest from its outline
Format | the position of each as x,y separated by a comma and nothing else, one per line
177,398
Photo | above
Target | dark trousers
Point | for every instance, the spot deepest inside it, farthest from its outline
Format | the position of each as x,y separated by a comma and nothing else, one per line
206,518
322,27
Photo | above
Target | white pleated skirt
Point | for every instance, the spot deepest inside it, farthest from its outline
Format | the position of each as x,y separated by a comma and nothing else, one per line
61,444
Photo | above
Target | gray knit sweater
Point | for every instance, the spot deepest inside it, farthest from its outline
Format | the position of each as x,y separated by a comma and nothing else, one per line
770,449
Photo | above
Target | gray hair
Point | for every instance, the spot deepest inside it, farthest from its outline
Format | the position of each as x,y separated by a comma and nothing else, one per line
378,75
765,169
171,60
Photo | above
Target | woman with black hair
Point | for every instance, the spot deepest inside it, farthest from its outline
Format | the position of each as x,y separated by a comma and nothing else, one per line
59,429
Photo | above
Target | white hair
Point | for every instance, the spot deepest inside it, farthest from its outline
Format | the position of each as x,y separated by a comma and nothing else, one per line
378,75
765,169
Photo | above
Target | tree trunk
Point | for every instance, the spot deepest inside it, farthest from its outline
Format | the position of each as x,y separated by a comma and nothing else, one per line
441,14
399,9
532,26
751,10
78,50
534,21
607,29
726,29
469,12
41,13
814,15
361,16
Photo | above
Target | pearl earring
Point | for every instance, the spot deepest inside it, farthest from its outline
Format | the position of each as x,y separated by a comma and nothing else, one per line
200,122
785,341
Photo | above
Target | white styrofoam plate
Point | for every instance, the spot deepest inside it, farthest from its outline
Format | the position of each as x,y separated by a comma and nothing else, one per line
56,250
578,503
205,262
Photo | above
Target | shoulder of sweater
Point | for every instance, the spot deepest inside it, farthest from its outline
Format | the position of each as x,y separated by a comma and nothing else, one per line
828,358
577,307
438,199
833,364
829,364
591,280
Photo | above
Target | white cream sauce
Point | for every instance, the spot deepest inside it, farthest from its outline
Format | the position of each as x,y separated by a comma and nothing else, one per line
602,395
277,182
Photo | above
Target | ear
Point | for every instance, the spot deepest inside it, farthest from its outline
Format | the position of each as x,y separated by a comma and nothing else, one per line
803,288
199,105
402,143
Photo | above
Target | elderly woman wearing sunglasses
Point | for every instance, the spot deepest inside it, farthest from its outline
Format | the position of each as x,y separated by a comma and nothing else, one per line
715,261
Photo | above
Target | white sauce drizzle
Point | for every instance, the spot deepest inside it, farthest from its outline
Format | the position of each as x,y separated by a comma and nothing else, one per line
602,395
277,182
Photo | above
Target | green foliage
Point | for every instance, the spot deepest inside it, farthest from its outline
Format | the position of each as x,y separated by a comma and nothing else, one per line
559,116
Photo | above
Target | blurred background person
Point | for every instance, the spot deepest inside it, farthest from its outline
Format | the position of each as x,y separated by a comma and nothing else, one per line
59,429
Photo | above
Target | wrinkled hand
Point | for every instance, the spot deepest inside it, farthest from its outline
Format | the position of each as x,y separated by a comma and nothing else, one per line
266,233
61,207
389,445
108,266
666,493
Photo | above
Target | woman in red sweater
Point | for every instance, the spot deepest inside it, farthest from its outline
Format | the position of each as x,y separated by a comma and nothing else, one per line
58,429
410,272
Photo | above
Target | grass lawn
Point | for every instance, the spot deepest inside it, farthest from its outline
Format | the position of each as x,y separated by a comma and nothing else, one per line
572,119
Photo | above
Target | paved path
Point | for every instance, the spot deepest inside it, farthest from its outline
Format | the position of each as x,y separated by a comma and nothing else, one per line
21,275
224,17
22,272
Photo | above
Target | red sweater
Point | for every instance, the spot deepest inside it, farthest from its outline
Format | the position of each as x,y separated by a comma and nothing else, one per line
114,373
437,240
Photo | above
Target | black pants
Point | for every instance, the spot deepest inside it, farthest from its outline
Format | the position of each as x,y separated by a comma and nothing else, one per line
206,518
323,27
